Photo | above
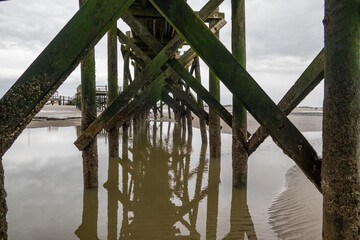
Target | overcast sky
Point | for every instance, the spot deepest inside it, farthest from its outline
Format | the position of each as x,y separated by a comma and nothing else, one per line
283,37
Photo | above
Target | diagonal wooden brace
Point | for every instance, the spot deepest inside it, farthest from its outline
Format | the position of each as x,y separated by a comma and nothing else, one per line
310,78
36,85
242,85
145,100
172,103
148,72
152,42
187,100
90,133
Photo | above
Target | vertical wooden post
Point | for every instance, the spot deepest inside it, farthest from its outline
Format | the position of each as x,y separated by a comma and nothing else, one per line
88,113
3,205
136,122
155,111
189,121
200,102
113,86
113,172
126,74
214,119
161,109
341,123
188,114
239,123
169,112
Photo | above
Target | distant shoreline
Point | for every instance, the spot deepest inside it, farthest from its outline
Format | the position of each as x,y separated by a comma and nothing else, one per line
306,119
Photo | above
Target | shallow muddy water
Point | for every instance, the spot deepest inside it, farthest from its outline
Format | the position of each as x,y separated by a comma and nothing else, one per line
163,185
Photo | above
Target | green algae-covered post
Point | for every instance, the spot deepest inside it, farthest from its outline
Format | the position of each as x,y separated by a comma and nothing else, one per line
214,119
126,74
113,86
239,153
341,124
88,115
200,101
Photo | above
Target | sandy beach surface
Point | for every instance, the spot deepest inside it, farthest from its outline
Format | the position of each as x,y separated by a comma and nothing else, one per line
295,214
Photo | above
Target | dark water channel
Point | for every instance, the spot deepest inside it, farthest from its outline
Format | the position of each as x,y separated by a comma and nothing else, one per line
163,186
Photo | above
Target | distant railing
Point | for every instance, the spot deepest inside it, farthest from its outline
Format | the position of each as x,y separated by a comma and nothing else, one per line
101,96
104,88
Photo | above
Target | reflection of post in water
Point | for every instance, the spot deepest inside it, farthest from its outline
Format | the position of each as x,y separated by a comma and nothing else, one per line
88,228
199,177
187,170
124,232
153,211
213,198
112,183
241,223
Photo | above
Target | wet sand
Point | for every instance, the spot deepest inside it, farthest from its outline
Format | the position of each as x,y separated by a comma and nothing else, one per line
306,119
295,214
56,116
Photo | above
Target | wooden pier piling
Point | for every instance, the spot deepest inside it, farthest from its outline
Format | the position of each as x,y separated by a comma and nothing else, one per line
341,125
239,123
214,119
200,101
88,115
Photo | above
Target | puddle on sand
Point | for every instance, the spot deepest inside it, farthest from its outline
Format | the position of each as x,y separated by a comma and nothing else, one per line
164,187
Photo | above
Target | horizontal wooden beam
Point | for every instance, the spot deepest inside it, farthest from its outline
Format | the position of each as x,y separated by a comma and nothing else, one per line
308,80
150,40
242,85
154,14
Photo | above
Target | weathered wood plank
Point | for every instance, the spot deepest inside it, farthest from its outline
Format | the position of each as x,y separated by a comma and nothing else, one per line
31,91
245,88
308,80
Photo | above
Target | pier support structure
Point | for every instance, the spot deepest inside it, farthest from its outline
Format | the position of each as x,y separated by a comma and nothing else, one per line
113,86
200,101
214,119
341,125
239,123
88,115
336,176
